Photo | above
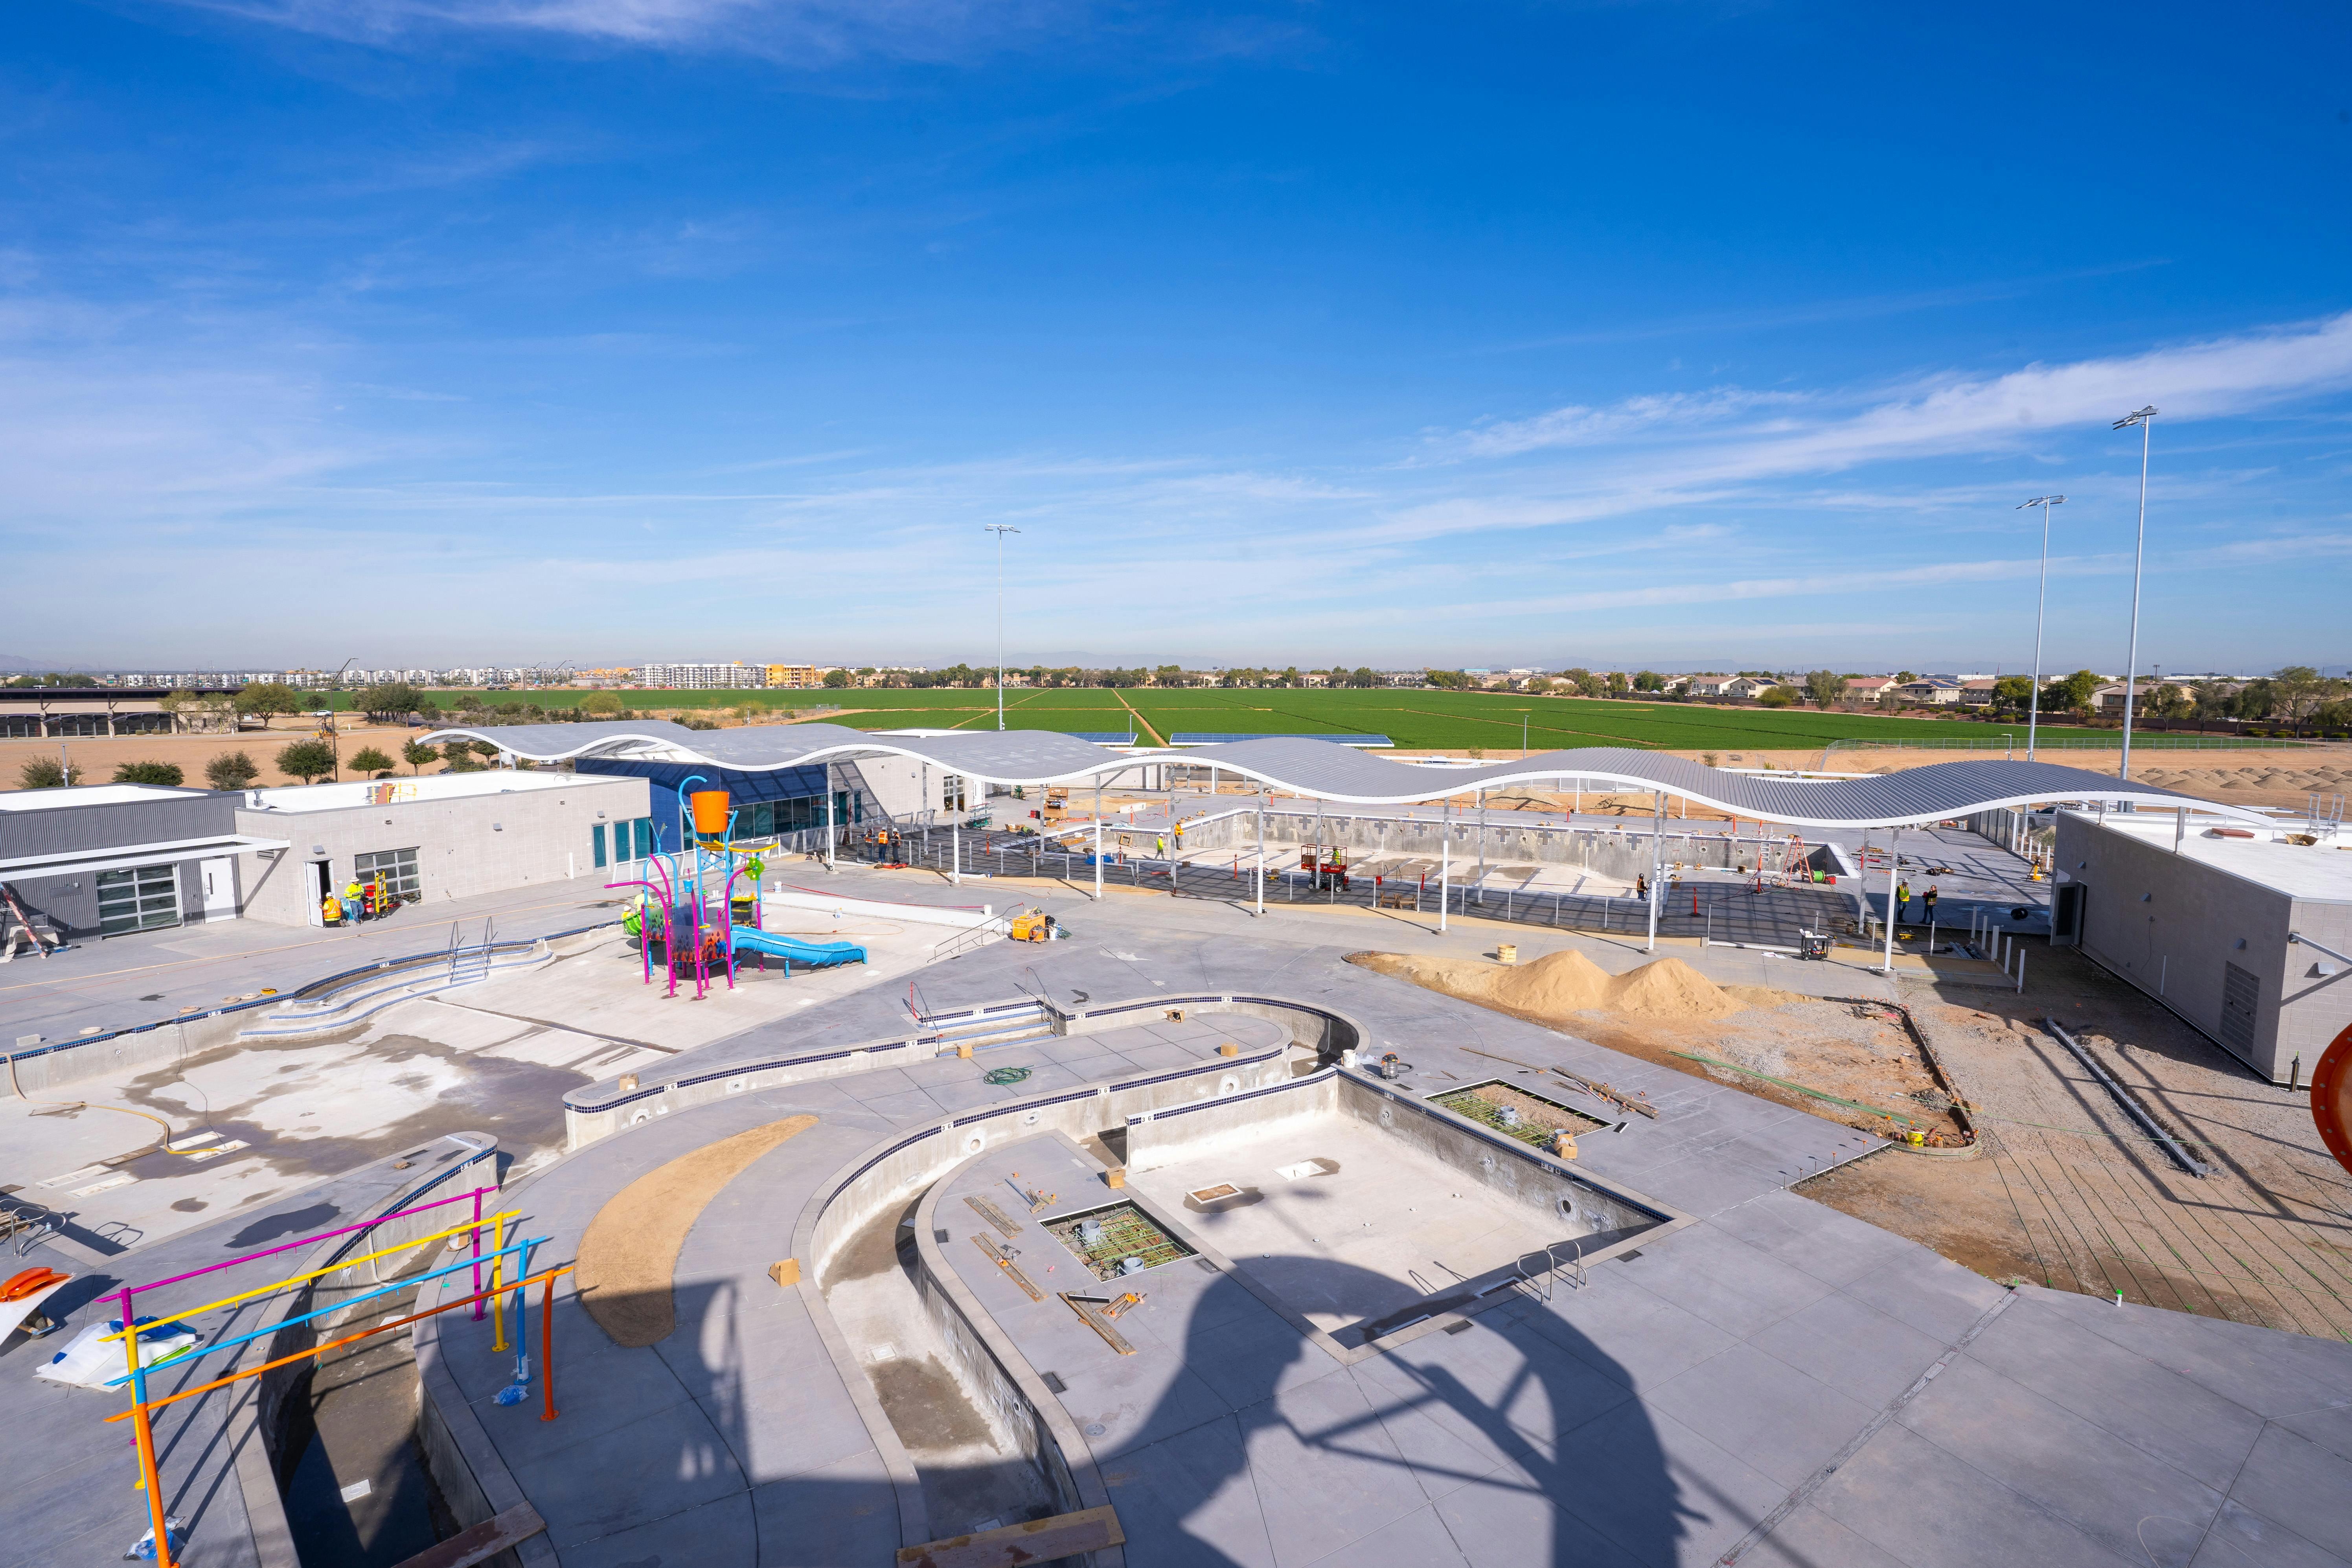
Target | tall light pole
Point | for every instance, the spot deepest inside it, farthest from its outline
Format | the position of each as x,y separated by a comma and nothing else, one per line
999,529
2041,602
2143,419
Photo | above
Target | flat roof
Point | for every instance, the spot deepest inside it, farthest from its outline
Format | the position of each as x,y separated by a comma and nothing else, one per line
2320,872
89,795
356,792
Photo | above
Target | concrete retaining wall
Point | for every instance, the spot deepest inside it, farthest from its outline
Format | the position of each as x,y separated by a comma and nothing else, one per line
604,1109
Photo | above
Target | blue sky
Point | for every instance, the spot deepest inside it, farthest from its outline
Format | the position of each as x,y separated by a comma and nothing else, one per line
1694,335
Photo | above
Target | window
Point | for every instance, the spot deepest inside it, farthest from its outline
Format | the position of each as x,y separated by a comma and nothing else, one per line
396,869
764,819
952,792
596,842
140,899
645,837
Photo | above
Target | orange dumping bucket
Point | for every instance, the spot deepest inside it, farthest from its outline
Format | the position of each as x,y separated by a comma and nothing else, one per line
710,811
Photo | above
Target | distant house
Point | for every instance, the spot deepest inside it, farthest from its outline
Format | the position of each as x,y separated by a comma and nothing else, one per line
1707,685
2109,699
1933,691
1976,693
1748,685
1868,688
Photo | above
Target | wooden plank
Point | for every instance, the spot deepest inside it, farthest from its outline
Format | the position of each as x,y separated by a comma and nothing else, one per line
1010,1268
481,1541
1098,1323
987,1210
1039,1540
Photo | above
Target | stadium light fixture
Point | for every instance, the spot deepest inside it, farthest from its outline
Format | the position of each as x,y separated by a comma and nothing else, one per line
2145,419
2041,602
999,529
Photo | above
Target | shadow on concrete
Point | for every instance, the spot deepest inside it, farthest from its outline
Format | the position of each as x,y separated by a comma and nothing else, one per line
1513,1440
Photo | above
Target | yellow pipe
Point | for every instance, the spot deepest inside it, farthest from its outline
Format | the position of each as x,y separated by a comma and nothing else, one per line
497,1301
315,1273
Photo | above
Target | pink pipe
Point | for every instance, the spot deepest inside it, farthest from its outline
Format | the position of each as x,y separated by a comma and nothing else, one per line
323,1236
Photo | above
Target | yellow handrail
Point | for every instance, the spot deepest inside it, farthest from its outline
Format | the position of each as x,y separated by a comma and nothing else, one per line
315,1273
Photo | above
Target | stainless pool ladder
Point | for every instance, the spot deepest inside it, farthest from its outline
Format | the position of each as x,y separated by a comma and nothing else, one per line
1543,1282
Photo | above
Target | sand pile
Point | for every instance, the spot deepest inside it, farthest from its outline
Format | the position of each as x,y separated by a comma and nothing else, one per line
1560,983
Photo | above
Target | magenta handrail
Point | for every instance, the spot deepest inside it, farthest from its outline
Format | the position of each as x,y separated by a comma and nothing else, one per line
289,1247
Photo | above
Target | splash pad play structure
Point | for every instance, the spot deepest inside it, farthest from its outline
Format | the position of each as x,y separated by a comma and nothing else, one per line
706,924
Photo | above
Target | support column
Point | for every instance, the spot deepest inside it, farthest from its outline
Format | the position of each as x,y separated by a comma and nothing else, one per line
829,833
1894,858
1482,841
1657,842
955,853
1445,874
1098,880
1261,849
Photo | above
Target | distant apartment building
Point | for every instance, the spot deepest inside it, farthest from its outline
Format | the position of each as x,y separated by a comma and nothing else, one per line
701,676
794,677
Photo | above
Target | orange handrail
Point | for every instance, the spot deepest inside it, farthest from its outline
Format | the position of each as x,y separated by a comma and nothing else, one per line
347,1338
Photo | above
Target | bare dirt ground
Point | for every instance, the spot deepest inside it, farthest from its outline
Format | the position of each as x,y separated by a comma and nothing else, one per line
95,757
2068,1192
1666,1012
2072,1195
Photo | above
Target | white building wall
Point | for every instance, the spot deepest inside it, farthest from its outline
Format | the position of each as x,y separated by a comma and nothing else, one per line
465,845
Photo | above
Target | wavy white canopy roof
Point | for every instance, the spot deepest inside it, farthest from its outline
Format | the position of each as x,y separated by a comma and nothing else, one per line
1347,776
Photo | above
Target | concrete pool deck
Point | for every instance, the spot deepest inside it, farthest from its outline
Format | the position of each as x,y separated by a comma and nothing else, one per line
1773,1370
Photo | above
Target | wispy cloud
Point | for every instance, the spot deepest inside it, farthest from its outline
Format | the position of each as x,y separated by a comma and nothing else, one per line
1650,453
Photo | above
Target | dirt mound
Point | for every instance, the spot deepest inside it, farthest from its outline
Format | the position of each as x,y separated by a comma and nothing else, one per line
1561,984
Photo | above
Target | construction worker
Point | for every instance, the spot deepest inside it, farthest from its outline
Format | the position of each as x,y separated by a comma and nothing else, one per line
1928,898
1641,886
330,910
1902,899
1159,845
351,899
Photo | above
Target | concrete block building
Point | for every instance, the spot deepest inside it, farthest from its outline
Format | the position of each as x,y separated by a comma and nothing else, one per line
2230,928
430,840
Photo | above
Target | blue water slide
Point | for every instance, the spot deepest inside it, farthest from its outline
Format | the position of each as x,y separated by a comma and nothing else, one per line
749,939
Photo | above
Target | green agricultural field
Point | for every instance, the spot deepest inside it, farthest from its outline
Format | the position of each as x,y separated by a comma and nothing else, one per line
1452,721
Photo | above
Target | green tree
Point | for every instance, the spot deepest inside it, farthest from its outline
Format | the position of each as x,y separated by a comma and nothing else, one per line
268,699
488,750
1649,680
1905,676
305,759
417,754
1826,687
394,700
368,760
1780,697
835,680
461,759
149,773
2014,692
54,677
231,769
2298,691
606,704
2071,694
47,772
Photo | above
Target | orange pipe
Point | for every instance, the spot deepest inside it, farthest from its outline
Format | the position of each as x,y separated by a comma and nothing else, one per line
153,1481
321,1350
